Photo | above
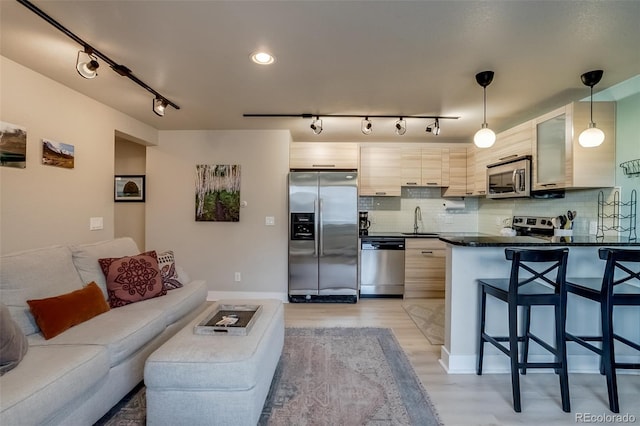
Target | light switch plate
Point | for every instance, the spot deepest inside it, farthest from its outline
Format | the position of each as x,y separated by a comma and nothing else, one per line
269,220
96,223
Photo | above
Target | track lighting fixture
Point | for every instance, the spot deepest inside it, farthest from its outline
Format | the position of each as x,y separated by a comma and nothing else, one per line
87,64
366,126
401,126
87,61
592,136
159,106
434,128
316,126
485,137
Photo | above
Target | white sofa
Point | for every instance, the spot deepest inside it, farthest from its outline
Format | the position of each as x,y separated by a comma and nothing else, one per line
75,377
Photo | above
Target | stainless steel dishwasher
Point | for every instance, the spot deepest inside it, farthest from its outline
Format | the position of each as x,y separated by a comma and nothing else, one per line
382,267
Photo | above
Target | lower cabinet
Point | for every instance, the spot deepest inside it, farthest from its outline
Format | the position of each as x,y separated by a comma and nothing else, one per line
424,268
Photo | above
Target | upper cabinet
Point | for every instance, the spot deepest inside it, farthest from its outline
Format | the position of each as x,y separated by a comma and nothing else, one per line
380,171
422,166
323,155
560,162
512,143
454,172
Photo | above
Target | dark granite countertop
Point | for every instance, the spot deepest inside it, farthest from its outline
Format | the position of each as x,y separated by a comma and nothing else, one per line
472,239
480,240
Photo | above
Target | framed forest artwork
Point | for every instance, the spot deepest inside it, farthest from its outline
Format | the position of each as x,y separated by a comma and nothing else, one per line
217,193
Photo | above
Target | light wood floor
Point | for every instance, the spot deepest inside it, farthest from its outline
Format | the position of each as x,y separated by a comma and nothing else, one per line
470,399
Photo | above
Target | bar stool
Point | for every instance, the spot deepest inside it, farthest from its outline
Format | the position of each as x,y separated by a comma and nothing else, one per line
531,283
616,288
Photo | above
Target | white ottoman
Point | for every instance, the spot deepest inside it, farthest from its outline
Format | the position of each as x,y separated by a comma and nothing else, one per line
215,380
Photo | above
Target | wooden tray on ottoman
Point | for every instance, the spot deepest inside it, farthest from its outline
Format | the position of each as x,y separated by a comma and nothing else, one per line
214,323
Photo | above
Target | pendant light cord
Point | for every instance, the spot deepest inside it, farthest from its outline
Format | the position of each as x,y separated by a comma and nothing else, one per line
484,118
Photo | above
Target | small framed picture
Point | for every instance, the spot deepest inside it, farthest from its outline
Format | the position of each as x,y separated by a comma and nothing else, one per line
129,188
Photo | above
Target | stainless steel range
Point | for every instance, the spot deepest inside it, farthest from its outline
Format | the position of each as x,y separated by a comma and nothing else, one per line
533,226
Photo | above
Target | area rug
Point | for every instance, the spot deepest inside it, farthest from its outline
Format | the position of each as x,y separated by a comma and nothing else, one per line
330,376
428,315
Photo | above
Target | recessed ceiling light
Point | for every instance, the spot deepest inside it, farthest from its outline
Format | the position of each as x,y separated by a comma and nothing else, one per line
262,58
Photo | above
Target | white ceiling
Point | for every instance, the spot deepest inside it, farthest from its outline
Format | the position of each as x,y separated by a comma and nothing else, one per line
333,57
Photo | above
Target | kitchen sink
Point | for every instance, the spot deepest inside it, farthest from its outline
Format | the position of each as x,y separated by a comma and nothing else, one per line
422,234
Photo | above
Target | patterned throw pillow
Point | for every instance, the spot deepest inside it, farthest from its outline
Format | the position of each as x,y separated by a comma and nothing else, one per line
132,278
167,265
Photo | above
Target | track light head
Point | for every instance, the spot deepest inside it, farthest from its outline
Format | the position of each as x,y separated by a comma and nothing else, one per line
436,127
366,126
401,126
159,106
316,126
87,64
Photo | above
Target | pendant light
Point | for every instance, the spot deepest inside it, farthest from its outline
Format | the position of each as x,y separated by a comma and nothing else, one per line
592,136
485,137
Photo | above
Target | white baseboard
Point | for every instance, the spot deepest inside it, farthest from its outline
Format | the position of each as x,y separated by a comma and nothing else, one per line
219,295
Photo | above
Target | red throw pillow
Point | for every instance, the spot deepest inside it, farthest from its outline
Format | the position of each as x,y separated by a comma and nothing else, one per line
59,313
132,278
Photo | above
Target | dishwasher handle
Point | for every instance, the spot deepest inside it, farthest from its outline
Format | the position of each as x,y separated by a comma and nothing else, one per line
382,245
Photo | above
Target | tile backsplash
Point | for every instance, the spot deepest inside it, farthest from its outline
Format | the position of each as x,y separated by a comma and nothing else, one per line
396,214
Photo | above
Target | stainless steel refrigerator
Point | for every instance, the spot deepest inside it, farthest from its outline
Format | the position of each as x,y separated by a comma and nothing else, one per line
323,236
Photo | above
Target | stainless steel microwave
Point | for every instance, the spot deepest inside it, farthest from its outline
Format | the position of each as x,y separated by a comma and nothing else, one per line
510,178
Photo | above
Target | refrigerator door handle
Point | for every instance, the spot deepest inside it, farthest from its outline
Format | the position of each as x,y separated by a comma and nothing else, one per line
315,226
321,227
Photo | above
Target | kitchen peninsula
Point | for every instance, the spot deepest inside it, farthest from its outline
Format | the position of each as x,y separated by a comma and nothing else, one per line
470,257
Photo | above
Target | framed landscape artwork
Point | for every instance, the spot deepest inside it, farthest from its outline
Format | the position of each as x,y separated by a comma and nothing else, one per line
129,188
217,193
13,145
58,154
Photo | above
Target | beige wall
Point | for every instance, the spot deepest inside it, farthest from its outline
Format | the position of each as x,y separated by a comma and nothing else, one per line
44,205
129,217
214,251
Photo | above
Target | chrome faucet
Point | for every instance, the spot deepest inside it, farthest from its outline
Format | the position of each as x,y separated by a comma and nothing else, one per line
417,215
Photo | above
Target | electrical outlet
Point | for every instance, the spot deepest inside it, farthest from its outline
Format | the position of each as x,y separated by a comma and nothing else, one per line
269,220
237,277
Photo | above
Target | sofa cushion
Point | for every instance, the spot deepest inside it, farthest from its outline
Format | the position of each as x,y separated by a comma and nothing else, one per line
35,274
85,258
177,303
47,379
121,332
13,342
132,278
59,313
167,265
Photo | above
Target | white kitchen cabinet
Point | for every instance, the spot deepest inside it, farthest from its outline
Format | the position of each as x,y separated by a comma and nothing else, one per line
380,172
560,162
323,155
